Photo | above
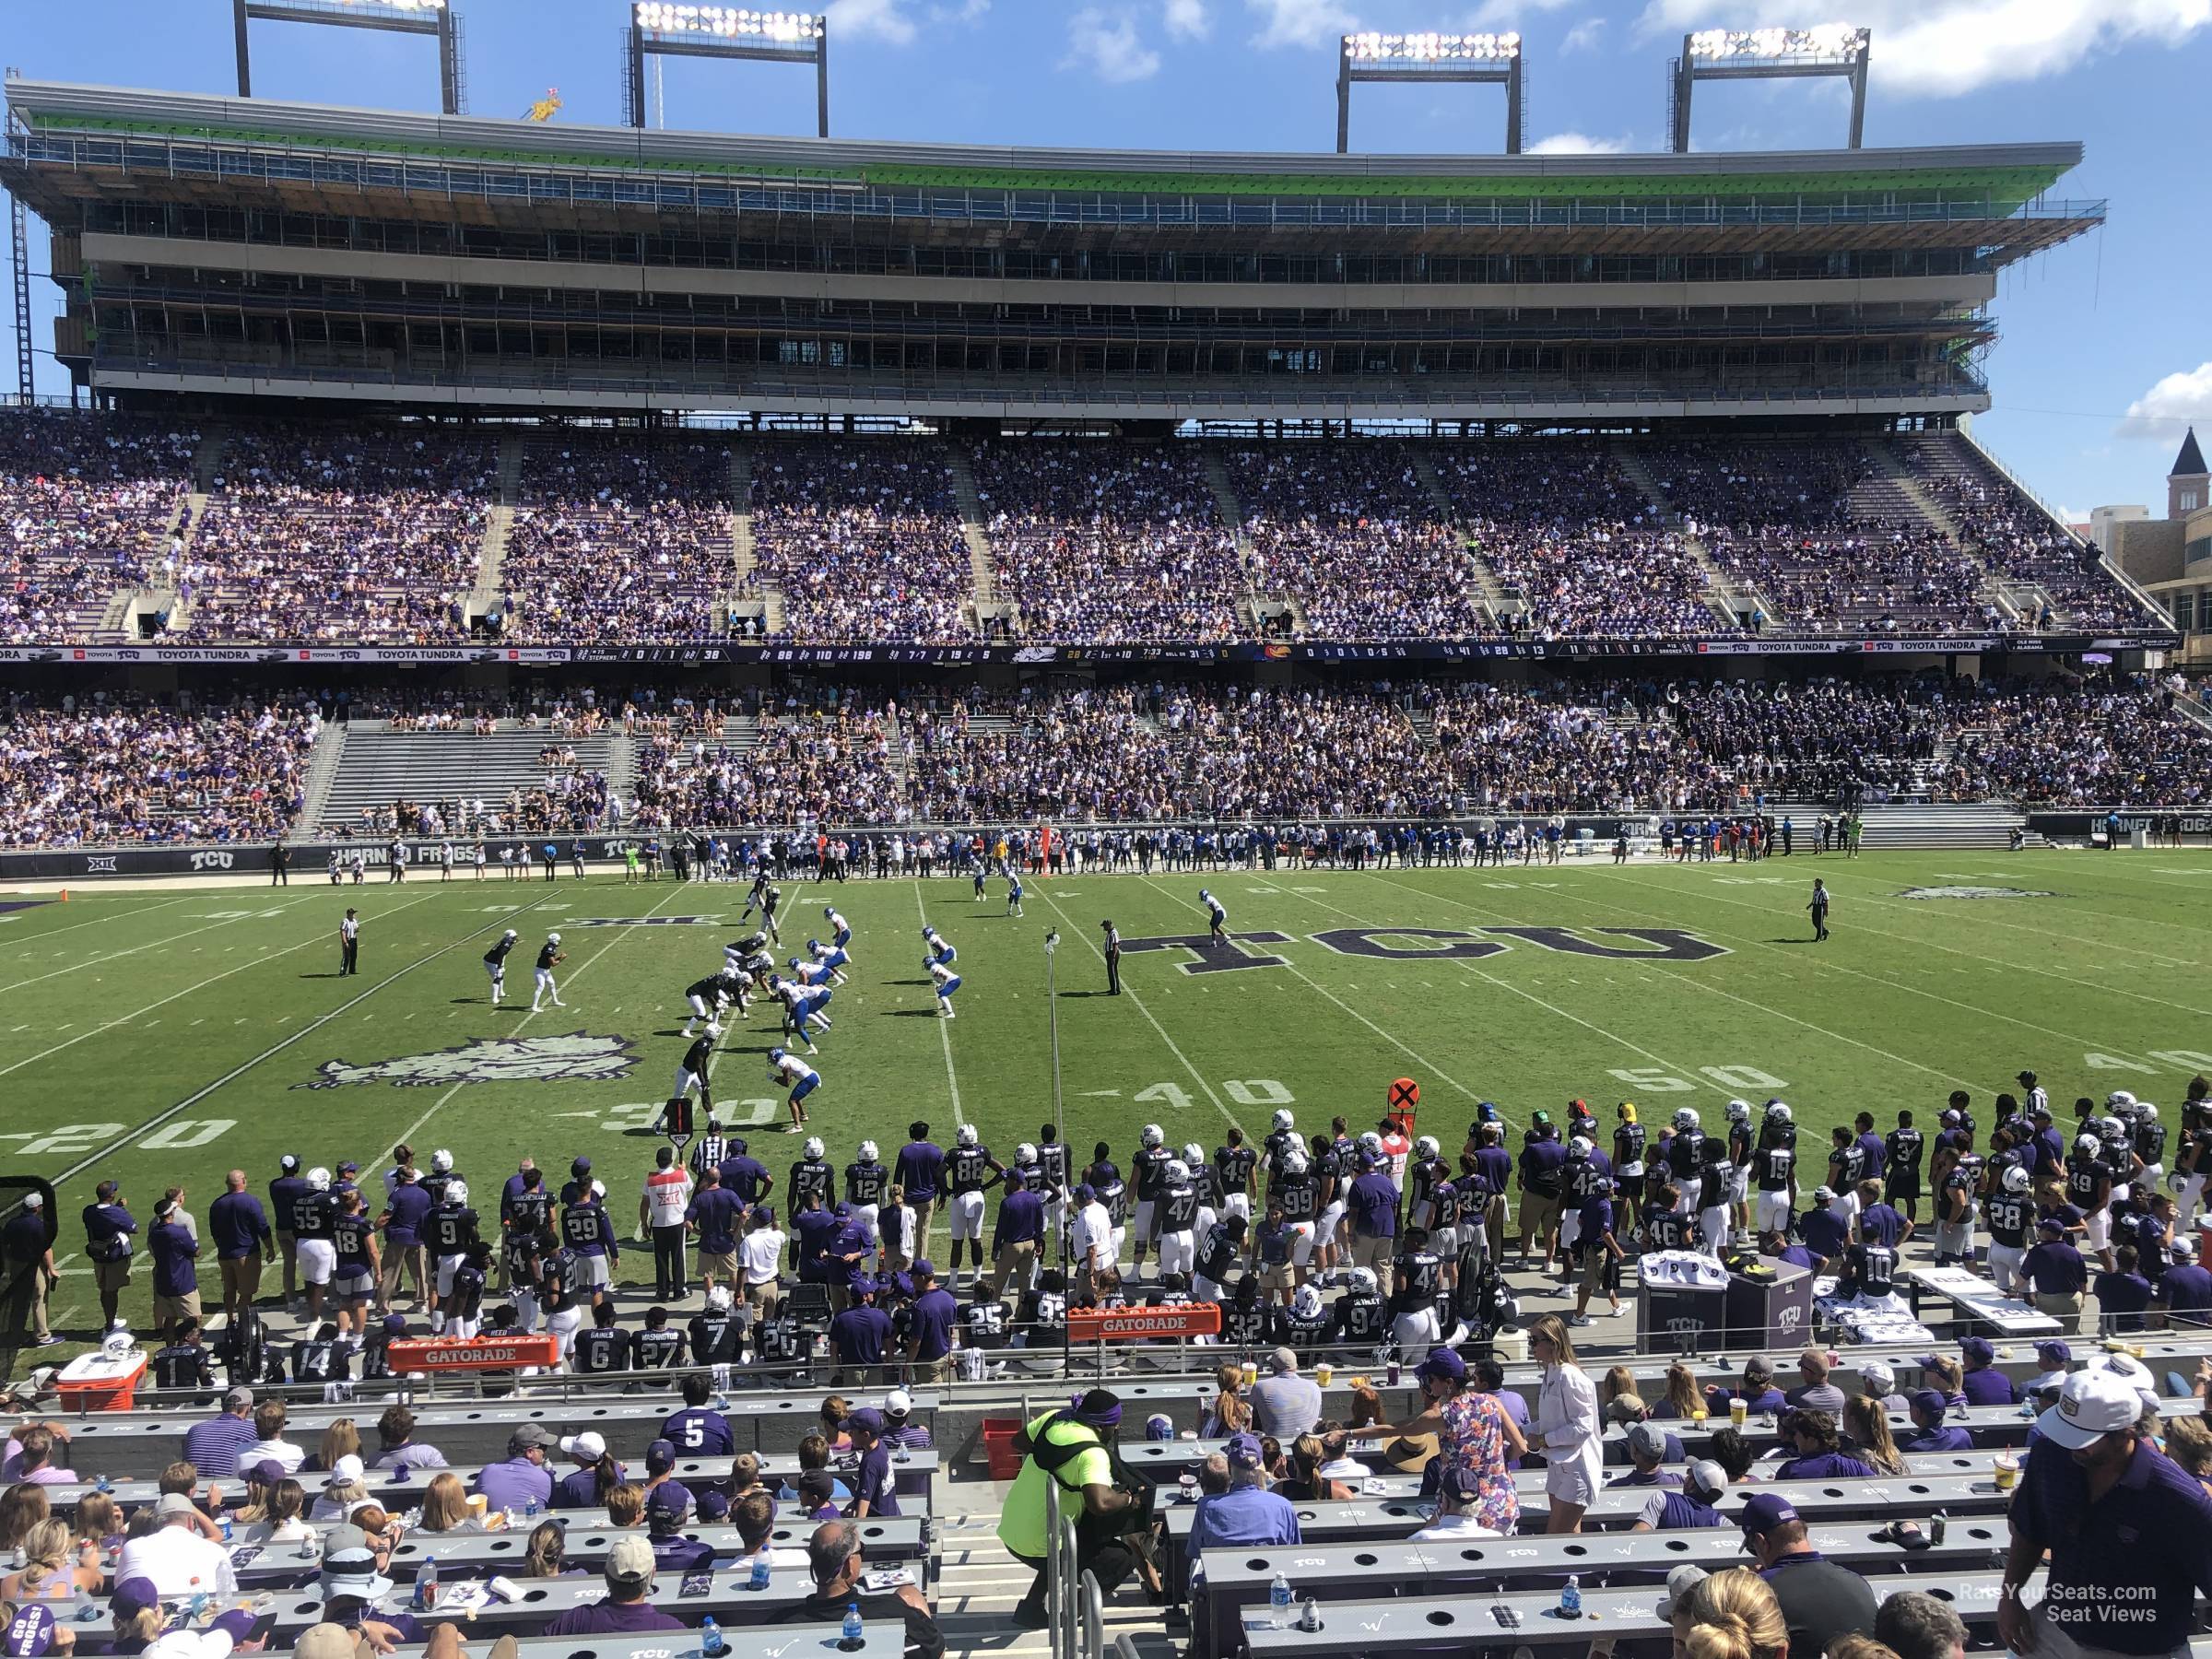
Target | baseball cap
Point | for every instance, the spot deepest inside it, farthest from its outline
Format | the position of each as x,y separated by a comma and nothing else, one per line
175,1504
1442,1363
898,1403
2052,1225
238,1397
867,1420
32,1200
2053,1352
714,1504
1927,1402
2091,1405
1978,1350
1679,1583
671,1500
1244,1450
134,1595
630,1559
923,1268
1766,1511
344,1471
1704,1475
29,1634
1824,1193
816,1485
268,1471
324,1642
290,1160
660,1455
349,1168
1647,1439
586,1446
532,1434
1461,1483
1874,1370
396,1323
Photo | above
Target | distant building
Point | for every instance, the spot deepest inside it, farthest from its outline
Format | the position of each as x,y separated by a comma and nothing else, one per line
2172,557
2104,521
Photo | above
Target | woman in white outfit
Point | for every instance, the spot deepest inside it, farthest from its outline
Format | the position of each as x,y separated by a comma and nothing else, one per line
1566,1429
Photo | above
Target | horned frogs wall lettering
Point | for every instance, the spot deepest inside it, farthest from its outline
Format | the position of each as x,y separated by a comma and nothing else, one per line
578,1057
1212,957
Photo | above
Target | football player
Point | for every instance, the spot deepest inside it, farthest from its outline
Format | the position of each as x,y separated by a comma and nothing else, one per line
495,964
549,957
788,1070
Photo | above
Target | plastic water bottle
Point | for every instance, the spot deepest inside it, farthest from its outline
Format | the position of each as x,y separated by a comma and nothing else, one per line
710,1638
198,1606
1278,1602
425,1586
530,1508
760,1567
853,1637
87,1611
1570,1597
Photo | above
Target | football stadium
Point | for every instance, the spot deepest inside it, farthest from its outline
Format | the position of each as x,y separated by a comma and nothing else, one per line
1262,905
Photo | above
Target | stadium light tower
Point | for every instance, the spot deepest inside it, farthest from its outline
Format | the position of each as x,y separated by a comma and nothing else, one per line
1430,57
1831,49
722,32
390,17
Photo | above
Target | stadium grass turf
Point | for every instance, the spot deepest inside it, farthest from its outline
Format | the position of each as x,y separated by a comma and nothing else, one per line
185,1026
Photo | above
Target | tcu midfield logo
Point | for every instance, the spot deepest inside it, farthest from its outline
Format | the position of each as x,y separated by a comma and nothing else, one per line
1434,945
576,1058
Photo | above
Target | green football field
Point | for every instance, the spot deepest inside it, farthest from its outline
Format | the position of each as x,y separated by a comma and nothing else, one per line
165,1037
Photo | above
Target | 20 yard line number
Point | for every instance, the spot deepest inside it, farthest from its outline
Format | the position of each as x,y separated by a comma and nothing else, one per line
182,1135
1735,1079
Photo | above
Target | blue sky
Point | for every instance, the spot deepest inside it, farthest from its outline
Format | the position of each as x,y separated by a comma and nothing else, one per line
2106,348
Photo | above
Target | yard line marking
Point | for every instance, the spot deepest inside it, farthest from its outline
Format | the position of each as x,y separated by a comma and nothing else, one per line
2002,967
1750,1003
158,946
241,1069
125,915
952,1081
618,933
1150,1018
1834,967
1970,912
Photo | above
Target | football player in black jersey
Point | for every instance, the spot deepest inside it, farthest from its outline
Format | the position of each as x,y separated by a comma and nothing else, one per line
1900,1168
464,1306
1361,1317
605,1349
1176,1213
970,1172
184,1363
866,1180
495,964
314,1212
660,1346
717,1331
451,1232
1147,1168
549,957
1234,1163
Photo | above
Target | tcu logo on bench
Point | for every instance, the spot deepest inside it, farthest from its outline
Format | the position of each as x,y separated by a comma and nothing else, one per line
211,861
1788,1319
1685,1325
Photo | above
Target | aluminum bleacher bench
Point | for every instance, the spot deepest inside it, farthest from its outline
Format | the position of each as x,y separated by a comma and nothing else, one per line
912,1477
1462,1624
1238,1578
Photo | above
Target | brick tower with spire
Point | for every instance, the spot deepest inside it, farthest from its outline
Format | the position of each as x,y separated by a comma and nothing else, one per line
2188,484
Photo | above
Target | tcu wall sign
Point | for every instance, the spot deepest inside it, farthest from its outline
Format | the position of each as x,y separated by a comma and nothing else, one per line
1435,945
211,861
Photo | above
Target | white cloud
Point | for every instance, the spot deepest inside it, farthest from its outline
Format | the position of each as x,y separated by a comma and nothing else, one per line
1507,14
1582,37
1109,47
967,11
1186,19
870,19
1940,48
1300,22
1576,144
2183,397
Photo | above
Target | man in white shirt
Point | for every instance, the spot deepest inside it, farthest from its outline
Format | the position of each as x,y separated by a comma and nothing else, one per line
269,1423
1093,1239
762,1251
1456,1496
175,1559
660,1209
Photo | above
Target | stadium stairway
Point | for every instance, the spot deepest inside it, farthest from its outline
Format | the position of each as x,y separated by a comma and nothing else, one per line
321,769
984,574
377,767
1488,595
741,511
1975,824
1729,595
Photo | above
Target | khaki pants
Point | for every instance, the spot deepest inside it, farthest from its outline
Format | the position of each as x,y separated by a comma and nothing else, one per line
402,1260
2066,1309
168,1310
1017,1263
927,1372
1538,1214
762,1299
924,1215
241,1279
41,1287
720,1269
1374,1253
112,1279
288,1246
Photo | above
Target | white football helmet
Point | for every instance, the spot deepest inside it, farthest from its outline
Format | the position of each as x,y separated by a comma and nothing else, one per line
1371,1141
552,938
1779,1112
2147,1112
2088,1145
1306,1303
440,1162
1738,1111
2111,1128
1178,1172
2120,1100
1579,1147
1153,1135
511,934
1193,1155
2016,1179
1427,1146
1283,1120
1025,1154
1686,1117
318,1179
1363,1278
867,1151
967,1134
456,1191
1294,1161
813,1148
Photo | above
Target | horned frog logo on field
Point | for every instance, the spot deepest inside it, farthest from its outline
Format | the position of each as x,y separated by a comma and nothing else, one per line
577,1058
